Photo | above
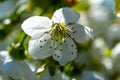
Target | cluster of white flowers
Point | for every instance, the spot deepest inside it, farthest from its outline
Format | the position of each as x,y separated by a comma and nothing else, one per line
55,37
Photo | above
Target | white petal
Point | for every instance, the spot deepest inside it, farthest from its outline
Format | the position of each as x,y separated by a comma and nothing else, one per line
65,15
57,55
27,73
82,33
35,49
17,70
91,75
12,69
4,55
36,26
67,54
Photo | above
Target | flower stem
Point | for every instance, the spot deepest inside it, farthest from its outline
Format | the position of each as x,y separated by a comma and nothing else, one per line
22,40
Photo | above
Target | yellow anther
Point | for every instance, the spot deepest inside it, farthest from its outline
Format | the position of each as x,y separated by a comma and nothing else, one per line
58,31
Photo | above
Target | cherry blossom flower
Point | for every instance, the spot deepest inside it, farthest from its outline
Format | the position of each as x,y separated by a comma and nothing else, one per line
56,37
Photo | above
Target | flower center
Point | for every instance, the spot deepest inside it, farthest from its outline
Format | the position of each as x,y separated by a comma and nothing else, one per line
58,32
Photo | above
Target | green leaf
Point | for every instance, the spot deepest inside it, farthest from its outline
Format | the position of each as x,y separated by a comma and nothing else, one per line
117,4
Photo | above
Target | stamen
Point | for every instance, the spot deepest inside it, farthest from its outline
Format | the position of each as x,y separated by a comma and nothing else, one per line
61,50
64,41
55,54
58,31
56,40
52,44
55,48
71,30
58,56
51,34
45,40
64,35
55,45
51,38
40,40
72,45
74,31
72,53
51,47
41,46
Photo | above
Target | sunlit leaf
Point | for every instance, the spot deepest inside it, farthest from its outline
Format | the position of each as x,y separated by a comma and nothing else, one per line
117,4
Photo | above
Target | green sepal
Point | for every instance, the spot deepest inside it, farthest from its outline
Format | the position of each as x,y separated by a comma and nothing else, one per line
51,66
17,52
52,69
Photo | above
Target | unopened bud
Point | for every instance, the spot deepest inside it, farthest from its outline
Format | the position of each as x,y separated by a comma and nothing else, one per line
17,52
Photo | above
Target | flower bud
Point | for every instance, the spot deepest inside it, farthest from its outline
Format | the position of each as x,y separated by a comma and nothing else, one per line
17,52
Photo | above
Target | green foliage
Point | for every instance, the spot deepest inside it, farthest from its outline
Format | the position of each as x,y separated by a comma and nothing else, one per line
117,6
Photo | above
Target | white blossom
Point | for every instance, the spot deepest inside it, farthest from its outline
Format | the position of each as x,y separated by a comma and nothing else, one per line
16,70
4,57
113,34
115,56
55,37
91,75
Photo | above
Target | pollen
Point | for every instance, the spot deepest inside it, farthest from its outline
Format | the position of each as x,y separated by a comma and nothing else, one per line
55,48
74,31
51,47
61,50
72,53
41,46
72,45
58,56
58,31
64,41
40,40
45,40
